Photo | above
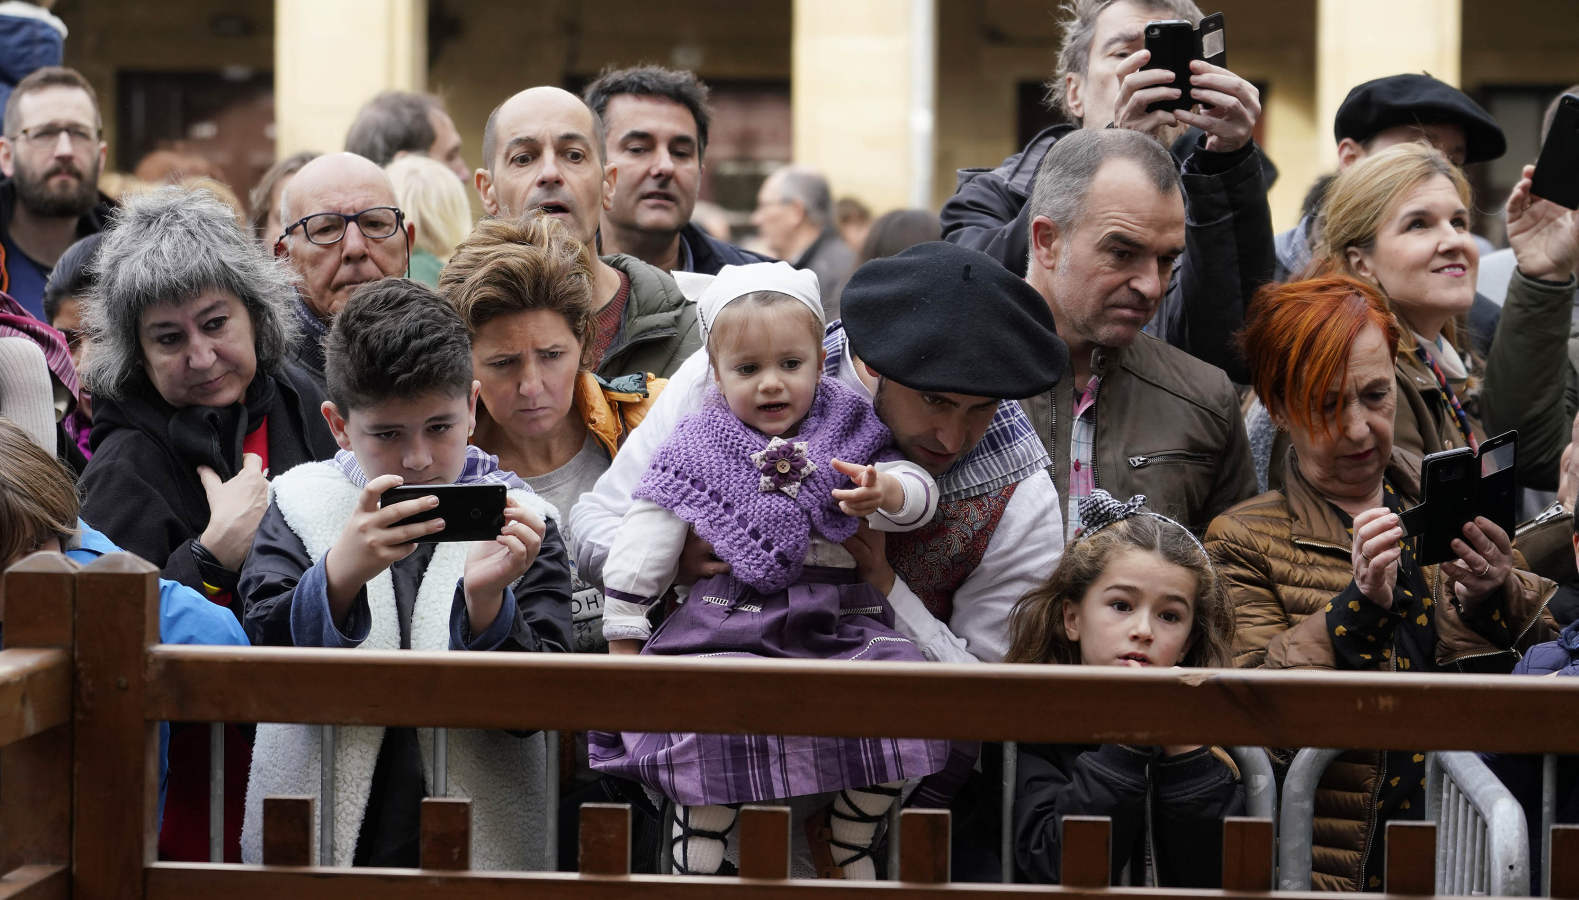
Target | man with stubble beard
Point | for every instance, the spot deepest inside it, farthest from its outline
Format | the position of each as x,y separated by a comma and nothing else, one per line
544,149
51,153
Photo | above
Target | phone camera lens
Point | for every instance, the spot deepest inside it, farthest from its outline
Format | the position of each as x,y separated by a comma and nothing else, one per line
1152,31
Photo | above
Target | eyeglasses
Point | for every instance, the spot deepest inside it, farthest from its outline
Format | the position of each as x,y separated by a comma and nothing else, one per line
326,228
45,137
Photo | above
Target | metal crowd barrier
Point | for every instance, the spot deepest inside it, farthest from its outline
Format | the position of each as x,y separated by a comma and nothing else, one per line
1482,840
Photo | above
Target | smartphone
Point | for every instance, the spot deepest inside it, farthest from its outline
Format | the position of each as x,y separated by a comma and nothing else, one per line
1458,485
471,512
1174,44
1557,171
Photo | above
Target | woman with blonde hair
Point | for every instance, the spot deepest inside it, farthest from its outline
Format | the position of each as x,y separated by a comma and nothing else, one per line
1399,221
435,201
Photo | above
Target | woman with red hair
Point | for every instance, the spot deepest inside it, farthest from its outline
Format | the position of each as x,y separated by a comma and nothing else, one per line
1318,573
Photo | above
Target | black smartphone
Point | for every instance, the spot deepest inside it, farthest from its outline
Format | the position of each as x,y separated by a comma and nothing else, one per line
1458,485
471,512
1174,44
1557,171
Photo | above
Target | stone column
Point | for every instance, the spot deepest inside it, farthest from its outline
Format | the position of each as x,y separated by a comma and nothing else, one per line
330,58
1357,40
862,100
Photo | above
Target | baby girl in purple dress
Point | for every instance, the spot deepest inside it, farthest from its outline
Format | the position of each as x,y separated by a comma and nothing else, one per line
776,471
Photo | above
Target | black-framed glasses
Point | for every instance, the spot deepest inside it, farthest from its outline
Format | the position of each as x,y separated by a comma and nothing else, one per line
325,228
44,137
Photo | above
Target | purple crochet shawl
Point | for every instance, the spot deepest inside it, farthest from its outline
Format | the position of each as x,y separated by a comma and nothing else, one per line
705,474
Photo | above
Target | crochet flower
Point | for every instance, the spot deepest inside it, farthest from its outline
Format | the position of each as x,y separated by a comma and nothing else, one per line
783,466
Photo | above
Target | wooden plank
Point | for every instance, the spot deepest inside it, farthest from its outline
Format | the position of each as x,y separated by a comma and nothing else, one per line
35,692
924,846
605,839
1565,861
1086,859
37,601
575,692
764,842
114,747
1247,854
184,881
39,882
35,711
1411,857
446,834
288,831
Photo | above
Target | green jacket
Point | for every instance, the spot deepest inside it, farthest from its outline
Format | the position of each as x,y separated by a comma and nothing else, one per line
1531,383
659,328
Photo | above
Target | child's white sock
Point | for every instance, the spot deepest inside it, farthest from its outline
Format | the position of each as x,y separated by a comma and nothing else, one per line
699,835
856,815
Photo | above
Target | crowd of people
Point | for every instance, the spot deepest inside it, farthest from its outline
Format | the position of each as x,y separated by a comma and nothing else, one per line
1094,412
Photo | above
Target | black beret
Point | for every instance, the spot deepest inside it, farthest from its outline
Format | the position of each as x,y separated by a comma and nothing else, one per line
939,317
1382,103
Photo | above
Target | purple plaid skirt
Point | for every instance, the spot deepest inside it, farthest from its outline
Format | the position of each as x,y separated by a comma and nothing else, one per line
827,615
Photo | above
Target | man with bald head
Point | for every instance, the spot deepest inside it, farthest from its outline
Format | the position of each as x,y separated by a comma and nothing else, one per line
543,150
342,229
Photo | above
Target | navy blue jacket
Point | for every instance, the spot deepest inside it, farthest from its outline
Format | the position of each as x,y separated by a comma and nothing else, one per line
707,254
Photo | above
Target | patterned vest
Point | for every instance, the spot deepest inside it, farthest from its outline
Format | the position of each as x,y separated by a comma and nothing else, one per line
936,558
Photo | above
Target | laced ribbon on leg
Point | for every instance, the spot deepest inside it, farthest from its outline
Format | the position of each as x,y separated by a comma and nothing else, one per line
699,836
852,823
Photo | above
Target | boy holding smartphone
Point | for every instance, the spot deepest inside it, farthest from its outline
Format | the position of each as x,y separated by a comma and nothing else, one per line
330,568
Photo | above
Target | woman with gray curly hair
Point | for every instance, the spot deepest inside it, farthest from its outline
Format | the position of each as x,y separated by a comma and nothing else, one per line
195,400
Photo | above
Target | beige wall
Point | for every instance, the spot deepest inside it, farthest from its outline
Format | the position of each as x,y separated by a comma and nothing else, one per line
159,35
503,47
985,48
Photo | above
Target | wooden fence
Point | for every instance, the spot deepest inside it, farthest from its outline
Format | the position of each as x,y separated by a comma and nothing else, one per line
84,683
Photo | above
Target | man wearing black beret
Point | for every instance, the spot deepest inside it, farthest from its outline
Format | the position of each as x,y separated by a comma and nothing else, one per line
1395,110
939,336
1133,415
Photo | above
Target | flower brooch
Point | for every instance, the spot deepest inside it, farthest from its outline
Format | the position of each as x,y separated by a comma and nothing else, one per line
783,466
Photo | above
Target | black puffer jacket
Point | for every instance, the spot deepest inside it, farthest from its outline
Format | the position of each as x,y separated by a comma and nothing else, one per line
1177,804
1228,238
141,487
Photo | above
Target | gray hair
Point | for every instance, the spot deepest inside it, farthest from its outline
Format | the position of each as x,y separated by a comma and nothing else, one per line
168,246
810,189
393,122
1063,180
1080,26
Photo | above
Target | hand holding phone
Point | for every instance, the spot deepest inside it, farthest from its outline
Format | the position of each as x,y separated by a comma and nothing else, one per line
492,566
375,537
1174,44
1557,171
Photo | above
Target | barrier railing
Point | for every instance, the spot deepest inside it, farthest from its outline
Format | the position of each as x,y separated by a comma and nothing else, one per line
97,629
1483,844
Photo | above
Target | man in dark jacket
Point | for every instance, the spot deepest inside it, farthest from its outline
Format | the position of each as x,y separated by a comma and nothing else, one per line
1132,415
51,154
655,133
1100,84
543,149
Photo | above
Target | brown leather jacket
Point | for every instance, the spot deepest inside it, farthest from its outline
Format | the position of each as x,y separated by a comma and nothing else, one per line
1425,422
1168,426
1283,556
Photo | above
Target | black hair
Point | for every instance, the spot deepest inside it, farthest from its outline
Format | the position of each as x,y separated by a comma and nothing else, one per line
679,85
395,339
73,276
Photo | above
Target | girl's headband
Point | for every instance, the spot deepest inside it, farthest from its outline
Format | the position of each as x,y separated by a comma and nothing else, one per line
1102,509
734,282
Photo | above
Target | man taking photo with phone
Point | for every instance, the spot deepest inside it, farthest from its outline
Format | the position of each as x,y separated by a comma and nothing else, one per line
1101,82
